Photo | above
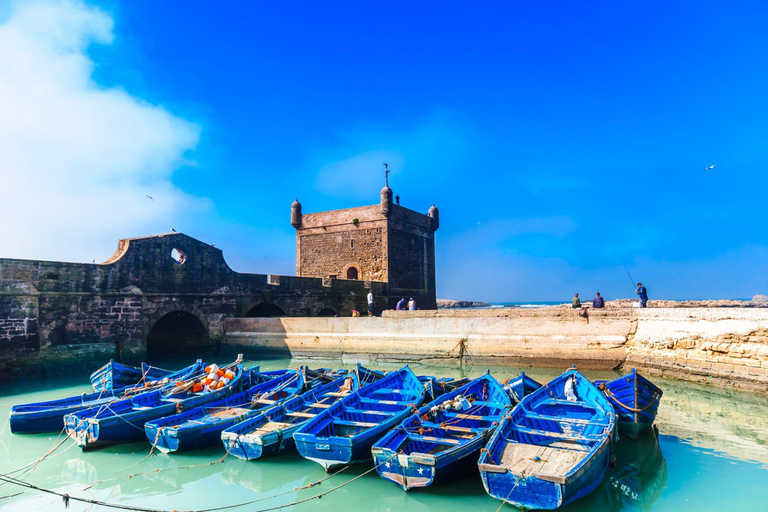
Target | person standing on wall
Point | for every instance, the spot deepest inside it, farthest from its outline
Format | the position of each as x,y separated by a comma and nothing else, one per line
576,302
370,303
598,302
642,291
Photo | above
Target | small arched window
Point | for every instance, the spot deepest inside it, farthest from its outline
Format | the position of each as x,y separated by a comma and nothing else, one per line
352,273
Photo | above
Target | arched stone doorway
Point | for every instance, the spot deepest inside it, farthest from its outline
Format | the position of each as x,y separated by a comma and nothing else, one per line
327,312
265,309
352,273
178,332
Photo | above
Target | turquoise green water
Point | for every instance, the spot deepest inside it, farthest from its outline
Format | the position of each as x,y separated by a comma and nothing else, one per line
711,455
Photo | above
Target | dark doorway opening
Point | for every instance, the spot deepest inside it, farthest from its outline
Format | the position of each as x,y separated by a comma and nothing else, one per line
351,273
327,312
265,309
178,332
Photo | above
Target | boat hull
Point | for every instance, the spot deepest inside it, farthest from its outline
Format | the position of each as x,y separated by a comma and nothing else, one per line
635,400
536,493
417,471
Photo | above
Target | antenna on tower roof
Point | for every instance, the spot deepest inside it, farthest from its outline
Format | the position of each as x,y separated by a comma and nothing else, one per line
386,174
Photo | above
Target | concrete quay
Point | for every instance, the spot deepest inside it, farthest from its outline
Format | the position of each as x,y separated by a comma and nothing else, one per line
725,347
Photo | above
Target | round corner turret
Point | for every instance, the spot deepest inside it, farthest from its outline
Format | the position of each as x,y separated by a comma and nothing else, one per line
386,201
434,214
296,214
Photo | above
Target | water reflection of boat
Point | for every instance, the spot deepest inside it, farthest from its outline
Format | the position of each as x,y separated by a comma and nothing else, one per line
262,477
641,471
80,471
634,483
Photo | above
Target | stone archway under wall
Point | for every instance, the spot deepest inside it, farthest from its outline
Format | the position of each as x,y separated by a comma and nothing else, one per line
178,333
327,312
265,310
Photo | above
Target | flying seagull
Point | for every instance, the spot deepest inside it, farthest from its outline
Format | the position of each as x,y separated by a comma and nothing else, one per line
710,167
173,230
149,196
478,223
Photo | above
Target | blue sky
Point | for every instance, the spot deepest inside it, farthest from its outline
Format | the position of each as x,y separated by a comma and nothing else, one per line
558,139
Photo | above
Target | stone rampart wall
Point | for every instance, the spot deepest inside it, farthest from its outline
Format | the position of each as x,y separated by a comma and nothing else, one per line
724,346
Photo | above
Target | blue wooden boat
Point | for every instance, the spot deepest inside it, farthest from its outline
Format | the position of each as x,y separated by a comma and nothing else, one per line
271,432
48,416
202,426
442,442
123,421
553,448
636,401
344,433
520,387
114,375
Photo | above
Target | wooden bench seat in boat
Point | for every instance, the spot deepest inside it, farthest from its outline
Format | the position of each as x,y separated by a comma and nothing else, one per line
546,433
230,412
354,423
386,402
463,416
436,440
367,411
454,428
270,426
301,414
265,401
322,406
560,419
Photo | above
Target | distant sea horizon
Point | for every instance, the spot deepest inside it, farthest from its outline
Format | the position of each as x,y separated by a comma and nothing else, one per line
543,303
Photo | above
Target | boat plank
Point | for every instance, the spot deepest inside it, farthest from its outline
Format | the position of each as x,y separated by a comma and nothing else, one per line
552,462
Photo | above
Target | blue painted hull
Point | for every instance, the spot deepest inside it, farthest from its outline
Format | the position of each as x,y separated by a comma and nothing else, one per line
535,493
202,426
440,444
115,375
48,416
553,448
635,400
345,432
252,439
522,386
124,420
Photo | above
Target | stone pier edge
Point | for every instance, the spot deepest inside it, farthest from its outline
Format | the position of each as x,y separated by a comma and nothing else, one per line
725,347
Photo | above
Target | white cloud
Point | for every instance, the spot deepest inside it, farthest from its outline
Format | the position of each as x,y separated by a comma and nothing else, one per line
77,159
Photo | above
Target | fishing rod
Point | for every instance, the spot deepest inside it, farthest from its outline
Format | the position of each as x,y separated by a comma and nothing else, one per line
630,275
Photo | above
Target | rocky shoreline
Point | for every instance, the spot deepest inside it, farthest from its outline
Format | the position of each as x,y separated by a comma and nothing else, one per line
455,304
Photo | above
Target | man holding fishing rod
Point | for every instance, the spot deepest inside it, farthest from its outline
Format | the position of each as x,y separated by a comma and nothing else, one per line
643,293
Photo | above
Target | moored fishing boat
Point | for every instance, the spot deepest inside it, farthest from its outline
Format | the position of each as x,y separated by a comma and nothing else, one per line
553,448
48,416
271,432
123,421
521,386
344,433
202,426
114,375
442,442
635,399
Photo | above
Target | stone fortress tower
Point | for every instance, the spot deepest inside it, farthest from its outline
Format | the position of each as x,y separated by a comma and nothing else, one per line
384,242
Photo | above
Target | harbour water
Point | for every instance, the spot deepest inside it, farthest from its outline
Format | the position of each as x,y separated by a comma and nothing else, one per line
710,454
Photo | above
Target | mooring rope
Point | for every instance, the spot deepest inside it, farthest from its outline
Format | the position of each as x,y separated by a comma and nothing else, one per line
67,497
631,409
